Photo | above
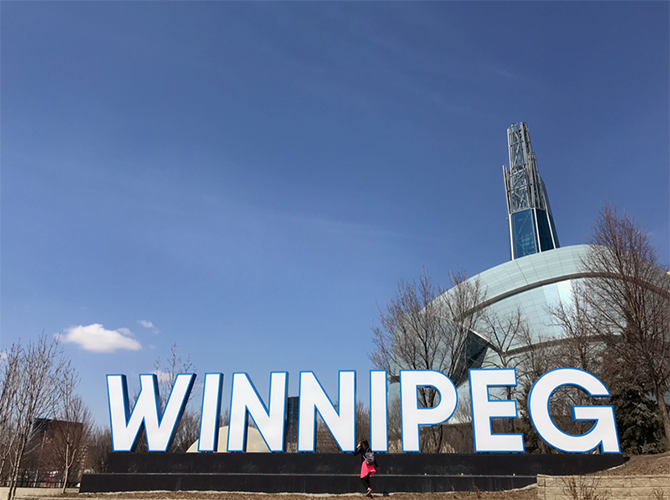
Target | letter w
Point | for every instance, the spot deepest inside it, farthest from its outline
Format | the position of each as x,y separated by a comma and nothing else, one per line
159,430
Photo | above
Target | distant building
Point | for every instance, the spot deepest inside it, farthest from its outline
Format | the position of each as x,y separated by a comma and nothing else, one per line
42,464
292,417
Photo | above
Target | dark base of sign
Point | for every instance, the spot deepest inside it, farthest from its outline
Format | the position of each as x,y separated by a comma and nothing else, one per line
333,473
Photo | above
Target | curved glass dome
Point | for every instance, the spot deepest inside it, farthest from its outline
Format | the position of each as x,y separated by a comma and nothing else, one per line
532,285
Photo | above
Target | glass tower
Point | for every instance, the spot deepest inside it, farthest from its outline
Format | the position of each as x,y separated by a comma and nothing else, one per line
531,224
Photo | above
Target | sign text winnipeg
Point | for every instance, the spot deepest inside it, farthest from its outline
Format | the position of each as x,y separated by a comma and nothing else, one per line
341,417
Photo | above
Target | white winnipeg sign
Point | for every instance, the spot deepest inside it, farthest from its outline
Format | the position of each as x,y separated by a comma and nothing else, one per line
340,418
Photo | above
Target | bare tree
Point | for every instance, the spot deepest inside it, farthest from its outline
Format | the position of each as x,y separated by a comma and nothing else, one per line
582,345
538,355
324,440
629,294
187,433
504,332
40,365
424,328
99,448
362,422
70,429
395,425
189,426
10,378
168,372
460,434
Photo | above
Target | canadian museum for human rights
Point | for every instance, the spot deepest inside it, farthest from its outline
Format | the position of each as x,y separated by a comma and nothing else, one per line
539,276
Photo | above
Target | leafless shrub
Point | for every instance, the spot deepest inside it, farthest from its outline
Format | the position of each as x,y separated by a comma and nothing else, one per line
583,488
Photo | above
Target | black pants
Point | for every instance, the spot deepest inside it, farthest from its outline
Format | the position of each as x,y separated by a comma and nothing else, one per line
366,481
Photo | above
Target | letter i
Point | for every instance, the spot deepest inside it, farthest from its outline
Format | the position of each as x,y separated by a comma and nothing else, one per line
209,418
378,411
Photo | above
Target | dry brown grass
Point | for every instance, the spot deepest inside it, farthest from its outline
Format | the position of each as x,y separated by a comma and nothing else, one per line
524,494
641,465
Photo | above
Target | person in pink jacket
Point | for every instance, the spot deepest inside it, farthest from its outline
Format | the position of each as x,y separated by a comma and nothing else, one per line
368,464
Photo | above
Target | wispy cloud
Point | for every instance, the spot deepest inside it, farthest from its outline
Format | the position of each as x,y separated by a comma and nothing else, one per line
125,332
148,324
162,376
96,338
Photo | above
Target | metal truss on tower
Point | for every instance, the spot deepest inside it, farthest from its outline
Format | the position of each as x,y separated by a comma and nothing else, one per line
531,224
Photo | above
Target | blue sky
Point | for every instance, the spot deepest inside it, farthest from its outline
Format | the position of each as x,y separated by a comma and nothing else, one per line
251,180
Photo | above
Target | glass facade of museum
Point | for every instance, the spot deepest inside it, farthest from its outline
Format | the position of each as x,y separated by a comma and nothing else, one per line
532,285
532,231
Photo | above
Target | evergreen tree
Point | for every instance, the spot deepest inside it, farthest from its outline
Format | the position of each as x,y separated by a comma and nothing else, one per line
640,429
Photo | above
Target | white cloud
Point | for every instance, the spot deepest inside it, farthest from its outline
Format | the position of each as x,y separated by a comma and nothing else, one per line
96,338
148,324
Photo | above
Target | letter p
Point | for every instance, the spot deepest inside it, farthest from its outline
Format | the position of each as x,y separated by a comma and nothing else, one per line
413,417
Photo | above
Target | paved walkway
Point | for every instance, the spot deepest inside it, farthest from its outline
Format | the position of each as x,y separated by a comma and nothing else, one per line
35,492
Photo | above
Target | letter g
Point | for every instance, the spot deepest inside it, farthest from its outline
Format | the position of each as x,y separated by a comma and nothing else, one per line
603,433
